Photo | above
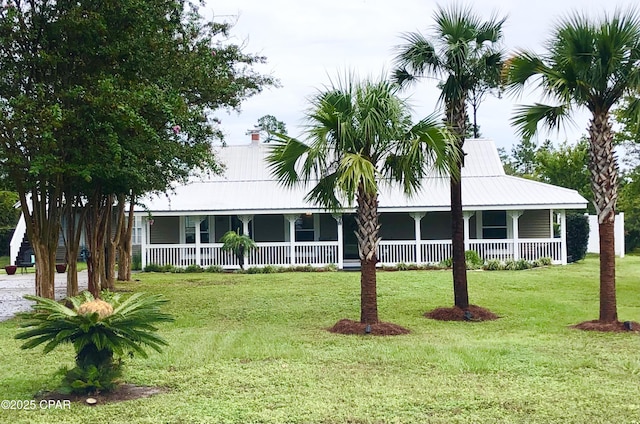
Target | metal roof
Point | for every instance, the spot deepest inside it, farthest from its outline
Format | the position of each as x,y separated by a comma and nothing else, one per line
248,187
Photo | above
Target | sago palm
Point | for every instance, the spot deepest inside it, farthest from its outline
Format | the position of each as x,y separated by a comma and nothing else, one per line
360,136
588,64
463,52
99,330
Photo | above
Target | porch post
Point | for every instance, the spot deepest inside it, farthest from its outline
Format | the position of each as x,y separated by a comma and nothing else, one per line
563,237
197,220
338,218
143,243
514,224
467,215
417,217
292,238
245,231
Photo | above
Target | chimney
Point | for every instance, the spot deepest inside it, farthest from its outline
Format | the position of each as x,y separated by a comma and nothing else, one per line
255,135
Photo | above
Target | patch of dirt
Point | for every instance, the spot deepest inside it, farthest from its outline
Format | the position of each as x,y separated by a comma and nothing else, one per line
122,393
347,326
615,327
473,314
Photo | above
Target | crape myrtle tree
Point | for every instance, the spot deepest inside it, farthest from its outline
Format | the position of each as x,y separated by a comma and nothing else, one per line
106,100
590,64
359,137
465,52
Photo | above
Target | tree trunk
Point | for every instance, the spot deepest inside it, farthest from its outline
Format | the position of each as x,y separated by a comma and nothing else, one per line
42,217
457,117
367,235
112,243
73,230
604,184
95,226
124,245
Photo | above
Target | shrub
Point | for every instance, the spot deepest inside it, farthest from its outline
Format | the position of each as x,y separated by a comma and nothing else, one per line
510,265
494,265
101,331
523,264
153,268
577,237
545,261
194,268
214,269
473,260
446,263
136,262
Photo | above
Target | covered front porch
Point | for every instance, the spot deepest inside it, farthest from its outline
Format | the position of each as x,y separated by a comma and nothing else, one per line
320,239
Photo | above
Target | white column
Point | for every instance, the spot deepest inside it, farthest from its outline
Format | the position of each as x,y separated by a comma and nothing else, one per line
417,217
292,238
245,231
143,242
466,215
515,215
197,220
338,218
563,237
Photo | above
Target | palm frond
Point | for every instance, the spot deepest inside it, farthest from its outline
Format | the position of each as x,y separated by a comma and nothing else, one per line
415,57
284,157
526,118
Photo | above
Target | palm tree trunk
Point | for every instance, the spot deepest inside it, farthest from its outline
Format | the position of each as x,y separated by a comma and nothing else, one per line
367,234
604,183
457,117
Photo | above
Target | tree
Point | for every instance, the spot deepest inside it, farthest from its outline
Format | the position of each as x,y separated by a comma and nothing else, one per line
464,50
100,332
360,137
565,166
108,99
591,64
271,125
238,244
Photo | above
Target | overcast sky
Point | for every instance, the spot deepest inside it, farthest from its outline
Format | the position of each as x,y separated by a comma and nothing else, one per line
308,42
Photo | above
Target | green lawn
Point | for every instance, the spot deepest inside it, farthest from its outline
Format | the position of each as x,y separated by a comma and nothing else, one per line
253,349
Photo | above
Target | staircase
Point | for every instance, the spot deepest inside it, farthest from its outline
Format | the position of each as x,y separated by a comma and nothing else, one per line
25,253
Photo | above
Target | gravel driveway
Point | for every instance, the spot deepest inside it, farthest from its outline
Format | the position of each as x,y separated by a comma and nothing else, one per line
13,287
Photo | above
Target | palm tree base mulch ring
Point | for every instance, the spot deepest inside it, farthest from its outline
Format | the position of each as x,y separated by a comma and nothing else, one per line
347,326
473,313
615,327
120,394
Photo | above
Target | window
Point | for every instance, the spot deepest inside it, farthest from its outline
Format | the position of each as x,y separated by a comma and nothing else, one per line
189,229
304,228
136,231
494,225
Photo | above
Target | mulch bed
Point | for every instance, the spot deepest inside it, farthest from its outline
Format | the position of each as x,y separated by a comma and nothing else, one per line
615,327
473,314
347,326
122,393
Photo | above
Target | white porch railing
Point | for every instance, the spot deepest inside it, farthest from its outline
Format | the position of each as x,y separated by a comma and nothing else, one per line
316,253
322,253
396,251
319,253
532,249
501,250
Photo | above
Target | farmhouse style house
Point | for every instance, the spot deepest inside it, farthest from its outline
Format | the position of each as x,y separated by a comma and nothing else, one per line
505,217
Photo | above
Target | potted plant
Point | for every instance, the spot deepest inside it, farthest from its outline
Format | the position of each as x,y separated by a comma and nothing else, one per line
61,268
10,269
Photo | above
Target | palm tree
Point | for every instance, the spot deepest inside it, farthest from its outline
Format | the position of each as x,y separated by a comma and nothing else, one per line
238,244
360,136
593,65
464,51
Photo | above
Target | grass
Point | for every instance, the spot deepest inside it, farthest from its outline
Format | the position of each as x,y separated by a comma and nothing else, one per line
253,349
